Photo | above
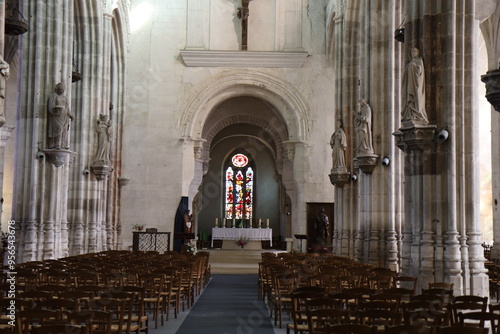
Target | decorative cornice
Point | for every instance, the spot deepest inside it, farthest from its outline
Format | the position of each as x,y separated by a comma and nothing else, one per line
203,58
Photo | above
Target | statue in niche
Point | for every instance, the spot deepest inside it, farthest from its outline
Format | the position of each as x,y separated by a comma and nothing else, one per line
338,142
363,128
59,119
4,73
104,135
413,90
322,226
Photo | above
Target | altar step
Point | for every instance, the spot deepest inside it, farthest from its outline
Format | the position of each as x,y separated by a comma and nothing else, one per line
236,261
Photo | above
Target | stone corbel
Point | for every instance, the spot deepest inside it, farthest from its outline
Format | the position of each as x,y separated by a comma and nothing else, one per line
415,137
492,81
289,146
366,162
198,147
101,171
58,157
339,176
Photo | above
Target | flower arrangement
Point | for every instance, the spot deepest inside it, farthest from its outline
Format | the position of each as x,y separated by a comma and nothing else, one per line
295,251
138,227
241,242
191,247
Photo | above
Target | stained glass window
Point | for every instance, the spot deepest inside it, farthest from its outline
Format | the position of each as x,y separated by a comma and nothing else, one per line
239,187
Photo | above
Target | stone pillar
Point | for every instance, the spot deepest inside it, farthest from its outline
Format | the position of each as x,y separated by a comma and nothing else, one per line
490,28
440,177
40,72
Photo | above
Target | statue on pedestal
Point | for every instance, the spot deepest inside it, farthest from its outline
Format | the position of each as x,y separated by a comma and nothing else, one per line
338,143
59,119
363,128
104,135
413,91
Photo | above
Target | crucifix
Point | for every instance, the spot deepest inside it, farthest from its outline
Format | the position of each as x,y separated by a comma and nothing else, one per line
243,13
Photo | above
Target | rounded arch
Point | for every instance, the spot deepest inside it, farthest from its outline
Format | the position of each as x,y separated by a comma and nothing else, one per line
284,97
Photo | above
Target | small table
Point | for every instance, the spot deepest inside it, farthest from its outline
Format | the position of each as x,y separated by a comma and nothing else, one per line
225,233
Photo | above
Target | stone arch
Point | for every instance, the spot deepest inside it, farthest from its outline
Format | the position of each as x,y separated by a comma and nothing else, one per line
284,97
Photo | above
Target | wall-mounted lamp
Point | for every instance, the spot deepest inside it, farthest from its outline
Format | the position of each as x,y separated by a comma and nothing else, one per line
386,161
40,155
354,177
86,171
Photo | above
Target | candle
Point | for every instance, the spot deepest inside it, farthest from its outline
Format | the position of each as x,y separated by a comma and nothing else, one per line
224,223
216,222
250,223
234,222
260,223
267,222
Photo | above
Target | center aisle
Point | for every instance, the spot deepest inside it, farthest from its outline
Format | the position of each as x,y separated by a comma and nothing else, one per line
229,304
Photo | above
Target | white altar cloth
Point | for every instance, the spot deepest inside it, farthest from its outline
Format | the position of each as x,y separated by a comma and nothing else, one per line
225,233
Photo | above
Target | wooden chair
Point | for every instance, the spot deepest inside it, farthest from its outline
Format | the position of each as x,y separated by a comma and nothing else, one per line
422,312
27,319
379,318
479,319
154,286
457,329
466,303
320,320
408,329
352,329
299,310
139,316
407,282
60,329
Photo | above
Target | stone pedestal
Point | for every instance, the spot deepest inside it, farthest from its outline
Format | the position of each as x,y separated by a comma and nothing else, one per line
58,157
339,176
366,162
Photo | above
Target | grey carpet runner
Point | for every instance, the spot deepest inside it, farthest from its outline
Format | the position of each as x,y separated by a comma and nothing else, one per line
229,305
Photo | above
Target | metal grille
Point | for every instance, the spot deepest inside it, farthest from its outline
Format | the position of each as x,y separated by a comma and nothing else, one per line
152,241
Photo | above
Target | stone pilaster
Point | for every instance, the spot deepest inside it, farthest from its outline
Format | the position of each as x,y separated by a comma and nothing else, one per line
198,25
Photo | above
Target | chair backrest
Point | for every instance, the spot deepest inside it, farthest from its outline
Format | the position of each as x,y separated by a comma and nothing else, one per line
457,329
28,318
352,329
60,329
408,329
319,320
480,318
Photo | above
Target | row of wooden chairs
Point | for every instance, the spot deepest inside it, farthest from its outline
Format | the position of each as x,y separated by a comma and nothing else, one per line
141,286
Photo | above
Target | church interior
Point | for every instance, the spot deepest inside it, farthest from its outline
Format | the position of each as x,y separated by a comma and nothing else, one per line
368,128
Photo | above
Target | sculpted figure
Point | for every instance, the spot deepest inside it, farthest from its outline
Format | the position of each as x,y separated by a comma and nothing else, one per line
104,135
4,72
413,90
322,225
363,128
338,142
59,119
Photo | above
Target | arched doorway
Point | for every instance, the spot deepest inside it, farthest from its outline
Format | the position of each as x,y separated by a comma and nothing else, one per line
243,125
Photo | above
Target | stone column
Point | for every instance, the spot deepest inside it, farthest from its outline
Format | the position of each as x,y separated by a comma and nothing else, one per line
490,28
40,72
440,177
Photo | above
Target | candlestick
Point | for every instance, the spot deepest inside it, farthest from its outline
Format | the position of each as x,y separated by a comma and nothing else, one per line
250,222
267,222
224,223
234,223
216,222
260,223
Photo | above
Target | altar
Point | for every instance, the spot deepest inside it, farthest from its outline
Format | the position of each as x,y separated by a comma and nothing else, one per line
224,233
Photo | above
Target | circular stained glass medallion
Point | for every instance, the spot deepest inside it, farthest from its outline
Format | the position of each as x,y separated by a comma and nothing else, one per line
239,160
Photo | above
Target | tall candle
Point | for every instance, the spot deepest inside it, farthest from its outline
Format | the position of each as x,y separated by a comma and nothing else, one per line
224,223
267,222
216,222
260,223
234,222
